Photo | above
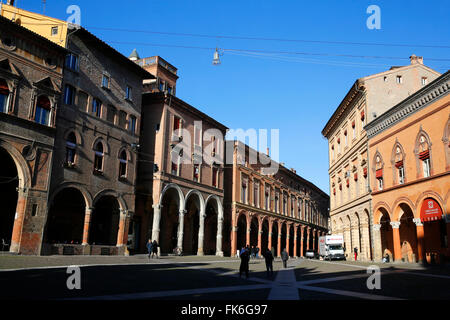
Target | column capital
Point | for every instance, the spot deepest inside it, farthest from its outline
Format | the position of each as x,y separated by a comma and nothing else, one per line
157,206
235,229
182,212
418,222
395,224
376,227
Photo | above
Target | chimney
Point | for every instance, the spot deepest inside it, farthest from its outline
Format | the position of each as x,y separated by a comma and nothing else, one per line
416,60
267,151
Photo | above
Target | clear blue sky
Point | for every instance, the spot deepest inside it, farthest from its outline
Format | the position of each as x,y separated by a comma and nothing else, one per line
297,94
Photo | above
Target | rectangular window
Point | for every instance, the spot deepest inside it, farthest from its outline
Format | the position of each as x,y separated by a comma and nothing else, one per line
161,85
380,183
426,167
105,81
424,81
54,31
197,135
244,192
215,177
176,123
196,172
128,93
69,95
267,199
174,169
399,79
96,107
401,175
256,193
132,124
42,115
72,62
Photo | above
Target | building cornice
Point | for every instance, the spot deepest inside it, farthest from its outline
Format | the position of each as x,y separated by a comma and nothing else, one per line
418,101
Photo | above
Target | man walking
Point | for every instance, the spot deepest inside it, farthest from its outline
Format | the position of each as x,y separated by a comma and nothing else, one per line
245,257
155,248
149,248
284,257
268,257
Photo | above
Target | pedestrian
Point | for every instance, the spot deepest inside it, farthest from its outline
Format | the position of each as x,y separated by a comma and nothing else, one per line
149,248
355,250
245,257
155,248
268,256
257,252
253,252
284,257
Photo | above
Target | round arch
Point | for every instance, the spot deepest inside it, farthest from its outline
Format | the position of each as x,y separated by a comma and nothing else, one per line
23,170
86,194
178,190
109,192
378,211
398,211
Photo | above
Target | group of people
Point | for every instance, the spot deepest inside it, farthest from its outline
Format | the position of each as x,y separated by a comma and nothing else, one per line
152,248
246,253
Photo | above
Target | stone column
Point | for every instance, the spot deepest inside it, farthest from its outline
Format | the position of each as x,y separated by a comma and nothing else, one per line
219,237
18,221
420,240
314,239
396,237
180,231
249,226
122,228
302,229
156,221
201,232
295,241
365,242
234,241
259,235
87,224
377,247
279,239
269,241
308,230
288,229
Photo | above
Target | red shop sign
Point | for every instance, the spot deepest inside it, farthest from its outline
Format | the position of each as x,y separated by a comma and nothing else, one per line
430,210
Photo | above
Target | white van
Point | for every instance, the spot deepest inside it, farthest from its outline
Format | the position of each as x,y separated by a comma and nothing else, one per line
332,247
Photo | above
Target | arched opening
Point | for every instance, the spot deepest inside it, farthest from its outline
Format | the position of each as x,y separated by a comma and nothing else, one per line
210,235
264,237
291,241
435,230
254,232
98,157
275,239
241,232
105,222
283,237
169,221
191,225
408,235
386,234
66,217
9,182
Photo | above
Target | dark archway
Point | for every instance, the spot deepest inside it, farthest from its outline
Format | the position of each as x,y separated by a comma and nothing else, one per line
191,226
9,182
66,217
275,239
169,221
241,232
283,237
264,236
408,235
105,222
291,241
387,240
210,235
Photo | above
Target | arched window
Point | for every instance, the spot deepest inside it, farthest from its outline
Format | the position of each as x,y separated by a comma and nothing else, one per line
399,165
123,165
43,108
4,96
71,144
379,172
424,156
98,160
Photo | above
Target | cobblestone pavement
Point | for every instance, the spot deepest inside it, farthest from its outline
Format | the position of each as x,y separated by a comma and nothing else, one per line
214,278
